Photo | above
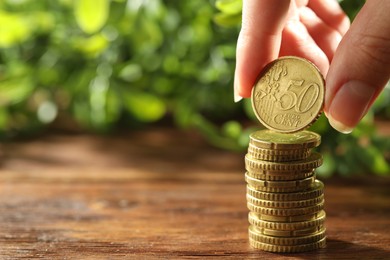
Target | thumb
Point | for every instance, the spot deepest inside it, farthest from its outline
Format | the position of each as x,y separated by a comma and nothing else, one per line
360,68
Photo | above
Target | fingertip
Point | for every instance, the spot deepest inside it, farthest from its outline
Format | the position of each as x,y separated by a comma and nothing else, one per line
349,105
239,94
340,127
242,87
244,92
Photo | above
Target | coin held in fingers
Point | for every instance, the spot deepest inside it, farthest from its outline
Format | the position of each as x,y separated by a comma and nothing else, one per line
288,95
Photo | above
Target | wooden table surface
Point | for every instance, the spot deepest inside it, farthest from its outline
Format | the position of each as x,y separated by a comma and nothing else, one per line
159,194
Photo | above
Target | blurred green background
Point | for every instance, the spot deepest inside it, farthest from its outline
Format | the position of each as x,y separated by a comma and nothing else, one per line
104,65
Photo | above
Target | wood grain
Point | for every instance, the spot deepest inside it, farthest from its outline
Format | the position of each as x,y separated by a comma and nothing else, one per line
159,194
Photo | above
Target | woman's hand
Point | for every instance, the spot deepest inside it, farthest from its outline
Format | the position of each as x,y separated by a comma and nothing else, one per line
357,58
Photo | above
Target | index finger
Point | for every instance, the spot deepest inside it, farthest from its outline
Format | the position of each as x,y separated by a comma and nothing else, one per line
258,42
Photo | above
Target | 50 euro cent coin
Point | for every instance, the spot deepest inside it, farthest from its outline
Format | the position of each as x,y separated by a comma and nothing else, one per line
288,95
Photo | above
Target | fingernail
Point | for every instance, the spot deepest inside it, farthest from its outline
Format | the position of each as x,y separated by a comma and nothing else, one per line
237,97
339,126
349,105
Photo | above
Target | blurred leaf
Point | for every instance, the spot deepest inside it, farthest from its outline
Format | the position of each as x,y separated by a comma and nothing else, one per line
13,30
92,46
229,6
232,129
375,161
227,20
228,51
163,86
212,134
42,21
144,106
148,35
131,72
47,76
91,15
183,113
14,90
171,64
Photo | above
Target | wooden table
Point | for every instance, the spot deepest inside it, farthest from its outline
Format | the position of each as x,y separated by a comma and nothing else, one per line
159,194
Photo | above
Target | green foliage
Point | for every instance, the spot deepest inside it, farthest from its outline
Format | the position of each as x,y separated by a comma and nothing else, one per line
91,15
110,64
230,12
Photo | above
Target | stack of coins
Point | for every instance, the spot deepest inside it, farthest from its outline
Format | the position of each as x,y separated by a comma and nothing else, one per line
284,198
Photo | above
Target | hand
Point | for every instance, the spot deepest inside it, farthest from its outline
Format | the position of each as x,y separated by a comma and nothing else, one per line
356,60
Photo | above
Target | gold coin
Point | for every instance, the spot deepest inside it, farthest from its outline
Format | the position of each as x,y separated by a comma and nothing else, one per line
286,241
281,176
255,221
288,95
280,186
284,204
315,190
286,212
297,218
288,249
267,139
278,155
289,233
314,161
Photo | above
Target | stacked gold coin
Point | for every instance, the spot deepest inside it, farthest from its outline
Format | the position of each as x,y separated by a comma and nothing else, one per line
284,198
